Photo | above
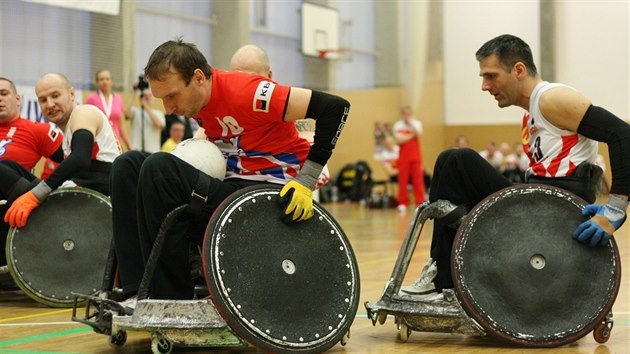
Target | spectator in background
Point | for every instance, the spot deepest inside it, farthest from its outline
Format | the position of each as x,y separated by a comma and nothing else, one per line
505,149
190,126
407,132
388,156
146,123
381,132
492,155
515,164
461,141
176,135
110,103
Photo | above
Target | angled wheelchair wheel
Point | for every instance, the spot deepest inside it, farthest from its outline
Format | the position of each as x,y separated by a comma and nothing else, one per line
282,287
523,278
63,247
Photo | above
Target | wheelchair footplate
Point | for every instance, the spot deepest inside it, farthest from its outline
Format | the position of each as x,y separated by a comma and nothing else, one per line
412,312
98,312
183,323
443,315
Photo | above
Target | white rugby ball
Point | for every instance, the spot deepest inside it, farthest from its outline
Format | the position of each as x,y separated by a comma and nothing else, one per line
203,155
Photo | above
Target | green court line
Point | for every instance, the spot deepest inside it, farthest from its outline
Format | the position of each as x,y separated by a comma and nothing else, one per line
42,337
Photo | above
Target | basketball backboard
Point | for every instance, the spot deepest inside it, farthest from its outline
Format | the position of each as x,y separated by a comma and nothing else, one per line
320,31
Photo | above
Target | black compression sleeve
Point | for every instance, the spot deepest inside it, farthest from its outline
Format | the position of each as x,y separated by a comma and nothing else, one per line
79,159
330,114
57,156
601,125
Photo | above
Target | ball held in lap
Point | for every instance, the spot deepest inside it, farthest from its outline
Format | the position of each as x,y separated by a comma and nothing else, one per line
203,155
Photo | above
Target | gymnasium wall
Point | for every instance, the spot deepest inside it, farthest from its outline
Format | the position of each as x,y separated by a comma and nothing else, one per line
370,106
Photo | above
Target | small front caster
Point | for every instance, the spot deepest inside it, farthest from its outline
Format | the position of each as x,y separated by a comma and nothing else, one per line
602,331
404,331
382,317
119,338
160,345
345,338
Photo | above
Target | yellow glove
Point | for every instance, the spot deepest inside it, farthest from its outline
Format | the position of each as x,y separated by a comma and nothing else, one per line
20,209
299,201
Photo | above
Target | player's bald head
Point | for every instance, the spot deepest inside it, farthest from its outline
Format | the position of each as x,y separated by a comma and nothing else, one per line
251,59
54,78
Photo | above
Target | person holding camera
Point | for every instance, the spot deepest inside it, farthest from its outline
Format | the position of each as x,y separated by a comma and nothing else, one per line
109,103
146,121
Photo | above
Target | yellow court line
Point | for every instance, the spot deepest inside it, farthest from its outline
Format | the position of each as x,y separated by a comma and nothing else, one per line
35,315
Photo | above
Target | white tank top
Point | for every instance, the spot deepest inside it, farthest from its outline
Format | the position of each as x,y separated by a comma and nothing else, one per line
106,146
553,152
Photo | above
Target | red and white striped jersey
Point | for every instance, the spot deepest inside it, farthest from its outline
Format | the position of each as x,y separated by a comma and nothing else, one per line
553,152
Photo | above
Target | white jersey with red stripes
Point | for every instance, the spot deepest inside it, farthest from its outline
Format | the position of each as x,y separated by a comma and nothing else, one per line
553,152
106,146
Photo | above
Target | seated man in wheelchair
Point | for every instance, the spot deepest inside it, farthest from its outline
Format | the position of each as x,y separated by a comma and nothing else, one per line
23,142
250,119
89,146
561,128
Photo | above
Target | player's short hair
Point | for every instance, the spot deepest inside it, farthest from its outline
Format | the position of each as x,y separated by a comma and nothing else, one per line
11,83
509,50
183,57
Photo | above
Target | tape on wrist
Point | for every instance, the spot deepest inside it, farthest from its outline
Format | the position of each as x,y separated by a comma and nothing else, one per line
309,173
41,191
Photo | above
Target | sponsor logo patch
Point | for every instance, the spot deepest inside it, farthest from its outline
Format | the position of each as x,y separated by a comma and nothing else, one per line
53,133
262,98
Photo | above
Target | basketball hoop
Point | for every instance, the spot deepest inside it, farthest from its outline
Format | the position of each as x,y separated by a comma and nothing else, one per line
334,54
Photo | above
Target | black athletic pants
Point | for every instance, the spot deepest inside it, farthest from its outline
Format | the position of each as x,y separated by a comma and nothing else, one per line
10,173
462,177
144,189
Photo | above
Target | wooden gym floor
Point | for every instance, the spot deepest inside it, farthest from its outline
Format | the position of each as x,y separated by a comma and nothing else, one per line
376,236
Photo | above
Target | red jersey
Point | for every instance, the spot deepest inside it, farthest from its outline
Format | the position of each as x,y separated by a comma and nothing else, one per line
245,119
409,150
25,142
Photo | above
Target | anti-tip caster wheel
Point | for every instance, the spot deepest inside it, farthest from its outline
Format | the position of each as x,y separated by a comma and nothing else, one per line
601,333
160,345
344,339
404,332
382,317
119,338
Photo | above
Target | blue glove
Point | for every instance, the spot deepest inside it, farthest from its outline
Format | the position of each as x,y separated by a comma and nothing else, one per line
598,230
